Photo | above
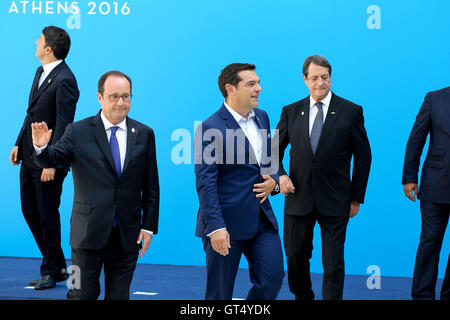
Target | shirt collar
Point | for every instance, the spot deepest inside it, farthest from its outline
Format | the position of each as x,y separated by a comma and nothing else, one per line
236,115
122,125
325,101
50,66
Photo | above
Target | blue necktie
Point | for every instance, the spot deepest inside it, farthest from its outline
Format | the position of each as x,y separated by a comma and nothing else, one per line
317,127
114,144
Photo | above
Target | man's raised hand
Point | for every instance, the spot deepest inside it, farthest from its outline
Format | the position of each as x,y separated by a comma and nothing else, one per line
41,133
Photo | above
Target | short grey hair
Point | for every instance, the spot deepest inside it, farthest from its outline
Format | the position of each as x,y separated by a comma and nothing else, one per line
316,59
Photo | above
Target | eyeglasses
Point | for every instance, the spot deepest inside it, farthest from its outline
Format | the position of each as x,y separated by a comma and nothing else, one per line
324,78
115,97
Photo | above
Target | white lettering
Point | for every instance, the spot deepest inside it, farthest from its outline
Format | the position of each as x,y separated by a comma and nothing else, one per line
374,21
24,3
49,7
13,8
374,281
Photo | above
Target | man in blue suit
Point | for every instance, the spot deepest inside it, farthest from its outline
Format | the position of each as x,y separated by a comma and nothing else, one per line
434,195
234,177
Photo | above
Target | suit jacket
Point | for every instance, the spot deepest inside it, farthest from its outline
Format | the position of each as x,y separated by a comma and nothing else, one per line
323,179
433,119
54,102
99,193
225,186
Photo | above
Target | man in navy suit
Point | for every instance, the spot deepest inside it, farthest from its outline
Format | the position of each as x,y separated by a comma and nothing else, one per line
434,194
234,177
53,99
116,202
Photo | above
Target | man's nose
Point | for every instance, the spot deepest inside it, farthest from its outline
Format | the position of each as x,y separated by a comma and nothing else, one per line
121,100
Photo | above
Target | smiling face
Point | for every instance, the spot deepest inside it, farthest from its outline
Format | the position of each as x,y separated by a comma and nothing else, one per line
244,96
318,81
116,111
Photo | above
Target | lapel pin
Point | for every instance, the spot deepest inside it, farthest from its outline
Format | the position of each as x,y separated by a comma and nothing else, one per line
49,80
133,130
303,113
332,112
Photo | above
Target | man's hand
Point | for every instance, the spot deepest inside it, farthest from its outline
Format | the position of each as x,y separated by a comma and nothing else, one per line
286,185
354,208
411,189
265,188
147,238
41,133
14,155
48,174
220,241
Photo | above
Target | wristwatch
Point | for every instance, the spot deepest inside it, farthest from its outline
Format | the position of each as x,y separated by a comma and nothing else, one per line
277,188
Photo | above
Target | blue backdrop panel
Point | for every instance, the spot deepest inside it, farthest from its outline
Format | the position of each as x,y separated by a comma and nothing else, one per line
385,55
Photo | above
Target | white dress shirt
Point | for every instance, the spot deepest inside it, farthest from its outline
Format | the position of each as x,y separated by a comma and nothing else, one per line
47,69
121,135
313,109
250,129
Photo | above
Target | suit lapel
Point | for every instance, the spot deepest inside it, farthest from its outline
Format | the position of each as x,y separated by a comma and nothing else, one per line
329,122
131,143
35,84
446,102
302,125
264,127
231,123
47,82
261,124
102,140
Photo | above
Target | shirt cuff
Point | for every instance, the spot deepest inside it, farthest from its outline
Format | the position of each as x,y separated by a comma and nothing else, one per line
151,232
39,150
209,235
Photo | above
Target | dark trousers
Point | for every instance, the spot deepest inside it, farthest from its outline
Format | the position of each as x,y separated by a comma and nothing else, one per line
434,222
298,244
265,259
40,206
118,265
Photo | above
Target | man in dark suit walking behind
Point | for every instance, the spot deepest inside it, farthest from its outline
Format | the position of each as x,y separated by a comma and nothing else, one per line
325,132
116,201
434,194
53,99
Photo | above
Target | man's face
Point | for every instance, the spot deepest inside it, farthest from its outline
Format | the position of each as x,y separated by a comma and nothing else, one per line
318,81
246,92
40,49
115,100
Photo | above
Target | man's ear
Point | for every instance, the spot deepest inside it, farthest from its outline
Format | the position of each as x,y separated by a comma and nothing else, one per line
230,89
100,97
305,78
48,50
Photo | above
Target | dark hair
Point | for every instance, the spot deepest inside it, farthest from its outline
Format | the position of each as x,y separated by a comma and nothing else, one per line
316,59
101,81
229,74
57,39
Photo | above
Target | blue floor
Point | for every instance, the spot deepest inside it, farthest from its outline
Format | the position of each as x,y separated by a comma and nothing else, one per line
168,282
